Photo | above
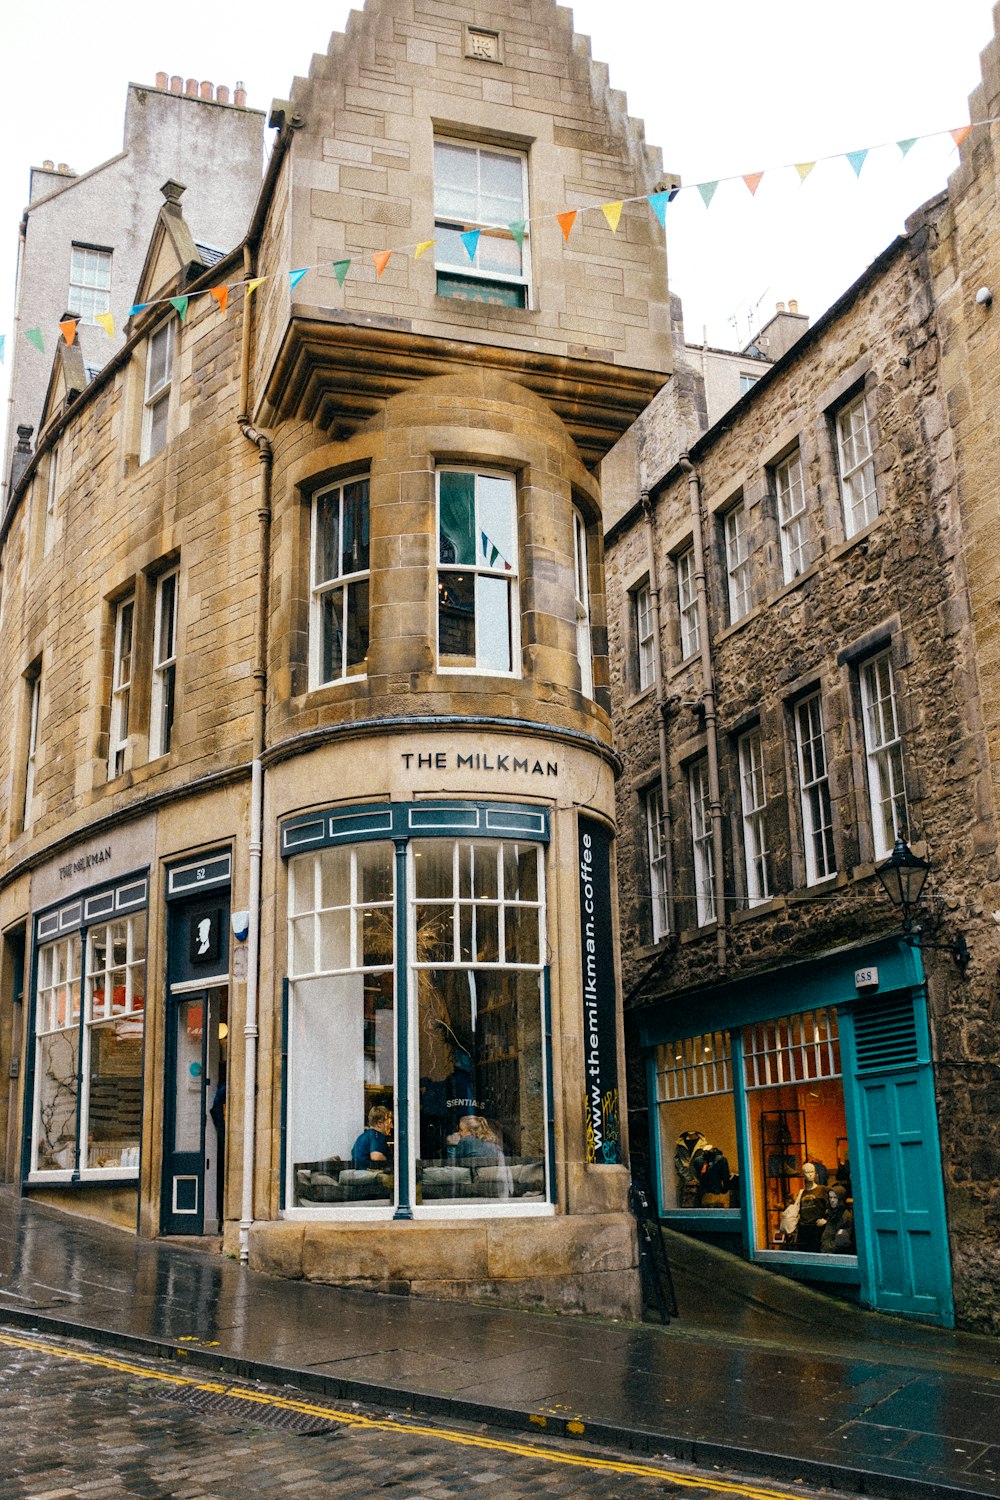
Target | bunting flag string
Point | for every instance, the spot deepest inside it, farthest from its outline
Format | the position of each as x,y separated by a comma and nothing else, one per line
491,552
612,211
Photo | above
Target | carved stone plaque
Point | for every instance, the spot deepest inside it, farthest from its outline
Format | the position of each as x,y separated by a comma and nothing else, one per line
484,45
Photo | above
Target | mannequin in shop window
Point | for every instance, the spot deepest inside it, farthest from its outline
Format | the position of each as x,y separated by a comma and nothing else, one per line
837,1227
803,1218
703,1177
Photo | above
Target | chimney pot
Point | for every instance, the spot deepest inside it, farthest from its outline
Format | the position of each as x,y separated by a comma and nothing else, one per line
207,88
240,96
62,167
191,88
793,306
48,166
222,94
176,83
24,432
161,81
780,306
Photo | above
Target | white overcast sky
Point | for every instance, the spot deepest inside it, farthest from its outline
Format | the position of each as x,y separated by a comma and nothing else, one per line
724,87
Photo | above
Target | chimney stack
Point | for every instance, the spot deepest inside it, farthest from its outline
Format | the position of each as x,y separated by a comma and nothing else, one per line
222,94
793,306
191,88
240,96
161,82
176,84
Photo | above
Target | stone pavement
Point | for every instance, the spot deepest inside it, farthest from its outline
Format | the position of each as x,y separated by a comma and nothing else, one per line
758,1374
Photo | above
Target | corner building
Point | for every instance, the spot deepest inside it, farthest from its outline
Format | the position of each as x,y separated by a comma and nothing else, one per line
347,775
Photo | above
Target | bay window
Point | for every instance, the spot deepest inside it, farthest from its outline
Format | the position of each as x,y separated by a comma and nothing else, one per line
340,552
477,572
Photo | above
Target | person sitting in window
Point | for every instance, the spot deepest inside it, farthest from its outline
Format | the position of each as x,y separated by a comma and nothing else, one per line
474,1143
371,1149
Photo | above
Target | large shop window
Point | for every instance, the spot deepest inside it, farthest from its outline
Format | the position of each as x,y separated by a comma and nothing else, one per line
88,1050
798,1135
799,1197
696,1120
472,1011
477,571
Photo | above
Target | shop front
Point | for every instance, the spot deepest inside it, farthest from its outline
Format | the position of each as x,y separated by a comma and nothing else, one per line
794,1119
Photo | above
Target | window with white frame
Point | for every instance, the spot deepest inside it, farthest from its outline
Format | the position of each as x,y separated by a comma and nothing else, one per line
657,853
481,193
737,561
687,604
814,790
89,282
472,997
51,501
753,800
791,494
645,644
701,842
857,466
340,595
747,381
87,1113
478,626
161,704
884,754
156,402
581,575
34,683
121,686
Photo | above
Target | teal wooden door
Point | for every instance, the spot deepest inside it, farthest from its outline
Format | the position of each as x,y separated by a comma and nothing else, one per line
898,1193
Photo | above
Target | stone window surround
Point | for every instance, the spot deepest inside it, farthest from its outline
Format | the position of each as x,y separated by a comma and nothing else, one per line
142,585
650,799
811,687
890,637
161,393
692,638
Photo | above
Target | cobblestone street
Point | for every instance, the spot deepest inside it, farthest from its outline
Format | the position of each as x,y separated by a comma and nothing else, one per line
79,1422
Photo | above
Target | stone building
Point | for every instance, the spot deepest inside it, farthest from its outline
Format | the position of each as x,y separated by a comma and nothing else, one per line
802,631
83,236
309,789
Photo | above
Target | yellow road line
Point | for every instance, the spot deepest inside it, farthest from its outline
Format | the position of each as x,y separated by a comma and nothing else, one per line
382,1424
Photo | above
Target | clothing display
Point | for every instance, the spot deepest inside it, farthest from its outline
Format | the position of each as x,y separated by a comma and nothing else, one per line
688,1155
838,1230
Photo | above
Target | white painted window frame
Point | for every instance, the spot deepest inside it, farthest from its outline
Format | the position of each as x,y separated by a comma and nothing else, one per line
657,855
883,754
164,682
122,672
814,790
157,390
687,604
645,645
857,466
753,801
701,842
737,560
790,490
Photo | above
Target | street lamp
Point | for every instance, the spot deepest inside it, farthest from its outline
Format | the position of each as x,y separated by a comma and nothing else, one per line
903,878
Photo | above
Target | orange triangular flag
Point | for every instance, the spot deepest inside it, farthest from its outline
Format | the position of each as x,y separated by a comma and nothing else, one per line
752,180
68,329
567,221
381,259
424,245
612,212
804,168
221,295
958,136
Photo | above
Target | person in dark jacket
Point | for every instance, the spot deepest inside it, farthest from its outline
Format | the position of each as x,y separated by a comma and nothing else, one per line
371,1149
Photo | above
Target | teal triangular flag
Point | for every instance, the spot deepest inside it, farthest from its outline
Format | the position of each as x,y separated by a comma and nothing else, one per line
905,146
34,336
181,304
470,239
517,230
294,277
658,203
340,270
137,307
707,191
3,345
857,160
494,554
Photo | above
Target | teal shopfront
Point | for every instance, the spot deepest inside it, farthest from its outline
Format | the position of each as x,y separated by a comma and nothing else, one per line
792,1117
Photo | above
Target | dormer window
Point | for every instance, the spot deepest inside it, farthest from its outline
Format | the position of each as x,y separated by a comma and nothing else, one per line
481,189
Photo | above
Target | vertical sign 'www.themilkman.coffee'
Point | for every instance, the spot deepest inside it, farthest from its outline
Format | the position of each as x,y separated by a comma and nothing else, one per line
600,1045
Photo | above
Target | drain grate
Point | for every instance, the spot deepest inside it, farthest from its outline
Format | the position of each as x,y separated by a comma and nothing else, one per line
255,1413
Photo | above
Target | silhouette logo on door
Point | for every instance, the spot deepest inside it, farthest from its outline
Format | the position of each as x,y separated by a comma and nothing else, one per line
205,945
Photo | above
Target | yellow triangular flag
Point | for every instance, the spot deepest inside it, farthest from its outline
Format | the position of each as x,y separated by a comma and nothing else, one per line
424,245
612,212
107,322
254,283
804,168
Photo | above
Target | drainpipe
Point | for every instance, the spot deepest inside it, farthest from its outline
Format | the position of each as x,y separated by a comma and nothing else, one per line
667,823
708,707
250,1029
